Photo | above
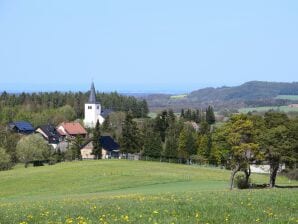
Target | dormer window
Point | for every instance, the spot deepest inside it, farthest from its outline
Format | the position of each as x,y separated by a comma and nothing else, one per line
89,107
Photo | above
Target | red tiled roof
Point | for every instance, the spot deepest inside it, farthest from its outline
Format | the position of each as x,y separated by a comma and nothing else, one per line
72,128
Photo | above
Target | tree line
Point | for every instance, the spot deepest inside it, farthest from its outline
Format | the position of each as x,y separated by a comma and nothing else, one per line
236,144
55,107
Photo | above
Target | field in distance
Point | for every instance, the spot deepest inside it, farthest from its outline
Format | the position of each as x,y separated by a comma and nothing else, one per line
287,97
118,191
285,109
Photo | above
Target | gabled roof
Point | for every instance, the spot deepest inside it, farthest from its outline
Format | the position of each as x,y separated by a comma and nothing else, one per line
108,143
106,112
51,133
22,126
72,128
92,96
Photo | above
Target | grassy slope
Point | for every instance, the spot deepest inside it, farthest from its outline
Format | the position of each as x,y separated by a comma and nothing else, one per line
287,97
285,109
136,192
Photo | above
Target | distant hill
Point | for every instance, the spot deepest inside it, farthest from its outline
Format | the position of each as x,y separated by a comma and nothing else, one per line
249,94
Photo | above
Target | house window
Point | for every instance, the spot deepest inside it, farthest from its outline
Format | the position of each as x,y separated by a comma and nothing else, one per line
89,107
97,107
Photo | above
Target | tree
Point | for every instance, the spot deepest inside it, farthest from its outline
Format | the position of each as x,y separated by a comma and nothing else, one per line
106,126
5,162
152,144
161,124
210,117
97,149
276,142
186,145
239,136
75,147
130,140
172,136
33,148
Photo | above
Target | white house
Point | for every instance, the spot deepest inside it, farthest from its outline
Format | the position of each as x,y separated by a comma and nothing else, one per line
92,110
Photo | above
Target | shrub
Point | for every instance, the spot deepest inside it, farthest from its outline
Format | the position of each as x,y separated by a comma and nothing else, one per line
240,182
5,162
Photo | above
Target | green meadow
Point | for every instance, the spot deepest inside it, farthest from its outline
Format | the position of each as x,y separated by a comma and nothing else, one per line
285,109
287,97
119,191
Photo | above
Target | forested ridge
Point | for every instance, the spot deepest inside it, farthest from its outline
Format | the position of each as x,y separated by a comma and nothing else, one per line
249,94
54,107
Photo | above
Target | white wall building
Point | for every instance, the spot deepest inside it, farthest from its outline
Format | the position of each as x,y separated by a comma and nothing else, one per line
92,110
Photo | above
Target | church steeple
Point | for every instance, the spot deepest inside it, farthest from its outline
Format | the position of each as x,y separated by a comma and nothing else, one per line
92,96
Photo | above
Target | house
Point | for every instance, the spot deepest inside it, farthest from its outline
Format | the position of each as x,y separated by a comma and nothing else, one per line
92,110
50,133
264,168
22,127
71,129
110,148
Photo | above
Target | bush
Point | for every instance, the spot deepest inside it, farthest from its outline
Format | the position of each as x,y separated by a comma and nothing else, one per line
5,162
240,182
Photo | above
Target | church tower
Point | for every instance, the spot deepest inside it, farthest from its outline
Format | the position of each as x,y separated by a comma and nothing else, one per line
92,110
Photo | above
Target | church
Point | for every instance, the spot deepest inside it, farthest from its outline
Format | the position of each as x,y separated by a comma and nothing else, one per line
93,110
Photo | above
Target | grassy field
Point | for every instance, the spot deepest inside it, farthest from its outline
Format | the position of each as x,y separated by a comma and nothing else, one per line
117,191
181,96
287,97
285,109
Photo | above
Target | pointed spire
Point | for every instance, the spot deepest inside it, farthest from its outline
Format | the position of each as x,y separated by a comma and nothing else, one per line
92,96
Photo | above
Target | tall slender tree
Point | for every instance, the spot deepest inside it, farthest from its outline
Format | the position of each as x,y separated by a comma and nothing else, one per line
97,148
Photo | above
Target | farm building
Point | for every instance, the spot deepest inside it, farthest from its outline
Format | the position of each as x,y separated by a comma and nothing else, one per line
110,148
22,127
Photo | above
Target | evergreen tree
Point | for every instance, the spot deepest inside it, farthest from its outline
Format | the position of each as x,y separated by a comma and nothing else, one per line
75,147
182,113
152,144
130,140
97,149
161,124
210,117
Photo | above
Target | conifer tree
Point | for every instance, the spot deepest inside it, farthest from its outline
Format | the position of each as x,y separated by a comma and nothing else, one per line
130,140
97,149
210,117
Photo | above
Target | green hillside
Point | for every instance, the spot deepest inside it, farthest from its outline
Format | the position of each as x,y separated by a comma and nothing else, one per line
118,191
249,94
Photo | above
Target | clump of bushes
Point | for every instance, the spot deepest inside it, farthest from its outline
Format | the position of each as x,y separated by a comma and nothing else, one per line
241,183
5,161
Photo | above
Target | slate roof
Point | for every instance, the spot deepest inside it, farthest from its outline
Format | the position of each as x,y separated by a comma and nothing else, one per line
108,143
22,127
72,128
106,112
51,133
92,96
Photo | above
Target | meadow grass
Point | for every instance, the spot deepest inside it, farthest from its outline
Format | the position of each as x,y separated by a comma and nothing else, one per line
181,96
118,191
285,109
287,97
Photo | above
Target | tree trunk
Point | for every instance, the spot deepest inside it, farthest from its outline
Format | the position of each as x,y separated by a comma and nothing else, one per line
273,172
233,173
247,173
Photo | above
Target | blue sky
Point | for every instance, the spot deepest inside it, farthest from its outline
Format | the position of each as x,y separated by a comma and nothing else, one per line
148,45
